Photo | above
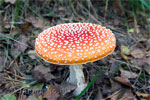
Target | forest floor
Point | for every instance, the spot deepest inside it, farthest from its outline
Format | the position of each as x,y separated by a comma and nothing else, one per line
25,76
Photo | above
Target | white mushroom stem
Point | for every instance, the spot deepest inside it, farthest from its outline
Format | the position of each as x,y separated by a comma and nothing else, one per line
76,77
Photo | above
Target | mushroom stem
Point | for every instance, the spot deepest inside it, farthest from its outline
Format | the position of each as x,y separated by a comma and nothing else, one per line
76,77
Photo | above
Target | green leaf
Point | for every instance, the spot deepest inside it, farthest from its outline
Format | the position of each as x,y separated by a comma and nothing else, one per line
9,97
38,86
51,14
1,2
125,50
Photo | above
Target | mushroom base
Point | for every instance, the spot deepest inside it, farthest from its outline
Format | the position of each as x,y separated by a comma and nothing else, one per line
76,77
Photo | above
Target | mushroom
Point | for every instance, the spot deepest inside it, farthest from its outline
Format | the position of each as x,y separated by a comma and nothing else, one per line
75,44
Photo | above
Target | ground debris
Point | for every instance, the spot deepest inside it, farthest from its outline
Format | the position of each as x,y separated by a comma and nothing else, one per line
123,80
20,46
128,74
36,22
52,93
66,87
138,53
41,73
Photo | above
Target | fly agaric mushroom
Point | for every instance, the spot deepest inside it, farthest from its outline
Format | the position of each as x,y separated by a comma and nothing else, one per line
74,44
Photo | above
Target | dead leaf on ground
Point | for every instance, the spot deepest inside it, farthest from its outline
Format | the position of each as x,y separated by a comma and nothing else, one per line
128,74
41,73
123,80
10,1
66,87
128,95
143,63
137,53
52,93
143,95
36,22
20,45
25,27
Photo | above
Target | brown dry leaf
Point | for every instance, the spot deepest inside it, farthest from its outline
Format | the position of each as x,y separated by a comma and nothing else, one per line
10,1
41,73
66,87
144,63
128,74
25,27
36,22
137,53
143,95
22,45
19,46
52,93
128,95
123,80
138,62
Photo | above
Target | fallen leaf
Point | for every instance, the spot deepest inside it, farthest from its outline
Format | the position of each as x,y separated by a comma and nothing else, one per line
36,22
131,30
143,95
9,97
123,80
138,62
25,27
66,87
137,53
52,93
143,62
128,74
20,45
38,86
41,73
128,95
125,50
10,1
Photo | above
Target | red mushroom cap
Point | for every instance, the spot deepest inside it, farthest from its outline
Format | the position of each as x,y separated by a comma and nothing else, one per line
75,43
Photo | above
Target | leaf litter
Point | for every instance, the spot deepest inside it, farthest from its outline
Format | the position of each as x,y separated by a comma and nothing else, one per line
126,69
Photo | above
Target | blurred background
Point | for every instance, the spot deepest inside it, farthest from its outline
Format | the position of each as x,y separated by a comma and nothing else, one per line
126,74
